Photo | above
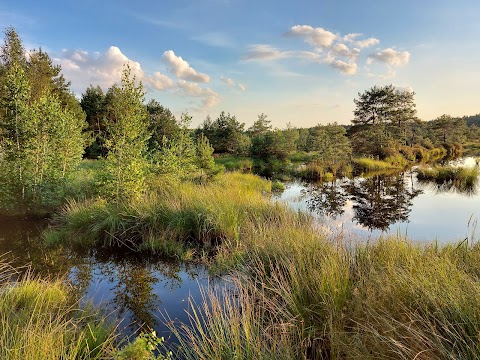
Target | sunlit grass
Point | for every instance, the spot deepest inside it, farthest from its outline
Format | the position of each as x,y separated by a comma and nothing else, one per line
40,319
309,299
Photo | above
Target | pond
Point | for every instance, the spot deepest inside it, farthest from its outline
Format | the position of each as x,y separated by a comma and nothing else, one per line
396,203
138,291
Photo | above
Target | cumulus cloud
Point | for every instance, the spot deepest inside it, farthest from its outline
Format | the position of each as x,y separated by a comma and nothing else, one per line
104,69
83,68
181,69
341,52
209,98
366,43
314,36
346,68
390,57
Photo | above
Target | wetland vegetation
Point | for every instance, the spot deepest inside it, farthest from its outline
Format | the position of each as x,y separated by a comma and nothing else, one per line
113,172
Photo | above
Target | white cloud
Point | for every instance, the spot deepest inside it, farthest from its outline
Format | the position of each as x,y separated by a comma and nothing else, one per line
267,52
263,52
346,68
105,69
390,57
209,98
318,37
159,81
227,81
352,38
182,69
342,50
366,43
232,84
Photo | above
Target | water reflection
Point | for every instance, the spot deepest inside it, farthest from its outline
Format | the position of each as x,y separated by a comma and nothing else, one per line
135,289
378,201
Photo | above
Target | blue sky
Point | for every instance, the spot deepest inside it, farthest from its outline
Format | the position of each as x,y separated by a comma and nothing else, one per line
299,62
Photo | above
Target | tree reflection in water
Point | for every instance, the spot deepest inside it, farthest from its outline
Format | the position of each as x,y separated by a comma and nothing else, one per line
378,201
135,282
328,198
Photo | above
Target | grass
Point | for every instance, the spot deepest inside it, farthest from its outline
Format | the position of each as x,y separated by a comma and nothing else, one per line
235,163
392,162
177,220
463,179
311,299
40,320
295,293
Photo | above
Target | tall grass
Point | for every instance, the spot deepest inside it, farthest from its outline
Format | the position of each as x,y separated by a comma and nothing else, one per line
463,179
40,320
392,162
174,219
310,299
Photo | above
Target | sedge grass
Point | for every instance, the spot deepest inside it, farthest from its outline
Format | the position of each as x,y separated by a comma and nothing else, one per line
40,320
311,300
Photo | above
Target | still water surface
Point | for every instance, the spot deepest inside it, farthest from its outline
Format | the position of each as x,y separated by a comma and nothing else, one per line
398,203
138,290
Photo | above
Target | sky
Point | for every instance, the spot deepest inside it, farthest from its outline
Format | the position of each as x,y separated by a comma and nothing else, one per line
299,62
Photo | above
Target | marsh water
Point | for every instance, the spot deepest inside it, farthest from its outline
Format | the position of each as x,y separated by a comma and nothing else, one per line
147,292
140,292
397,203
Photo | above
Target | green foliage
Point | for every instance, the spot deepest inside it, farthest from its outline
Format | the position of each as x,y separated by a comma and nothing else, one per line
373,140
449,130
142,348
260,126
225,134
162,124
178,156
94,106
42,143
332,145
127,126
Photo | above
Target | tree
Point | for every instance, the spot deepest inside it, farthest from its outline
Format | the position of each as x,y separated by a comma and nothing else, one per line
177,157
384,105
449,130
331,144
260,126
205,160
127,126
42,143
386,112
12,51
162,124
94,105
225,134
14,126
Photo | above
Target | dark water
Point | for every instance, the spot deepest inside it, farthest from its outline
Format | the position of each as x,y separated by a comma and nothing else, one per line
395,203
141,292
